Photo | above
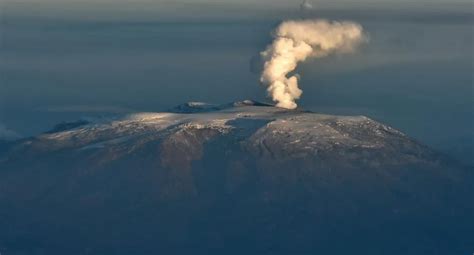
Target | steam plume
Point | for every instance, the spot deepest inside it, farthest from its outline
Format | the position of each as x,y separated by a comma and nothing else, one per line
296,41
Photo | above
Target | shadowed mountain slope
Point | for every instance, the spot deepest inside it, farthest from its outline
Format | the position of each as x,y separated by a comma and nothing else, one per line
239,178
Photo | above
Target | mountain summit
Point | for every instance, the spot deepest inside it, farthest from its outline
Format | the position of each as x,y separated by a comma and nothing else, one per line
244,177
242,128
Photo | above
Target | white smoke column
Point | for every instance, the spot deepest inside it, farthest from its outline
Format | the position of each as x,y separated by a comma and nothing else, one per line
296,41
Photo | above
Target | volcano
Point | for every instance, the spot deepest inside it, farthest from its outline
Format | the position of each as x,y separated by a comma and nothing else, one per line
239,178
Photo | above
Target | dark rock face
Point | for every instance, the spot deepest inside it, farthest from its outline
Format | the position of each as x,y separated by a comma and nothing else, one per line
244,178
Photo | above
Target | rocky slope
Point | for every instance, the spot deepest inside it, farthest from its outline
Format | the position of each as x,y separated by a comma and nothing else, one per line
239,178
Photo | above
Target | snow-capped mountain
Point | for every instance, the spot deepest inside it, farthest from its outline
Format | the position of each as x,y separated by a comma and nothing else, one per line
254,128
243,177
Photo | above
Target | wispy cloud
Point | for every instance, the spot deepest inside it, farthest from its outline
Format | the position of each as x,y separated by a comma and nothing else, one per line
306,5
8,134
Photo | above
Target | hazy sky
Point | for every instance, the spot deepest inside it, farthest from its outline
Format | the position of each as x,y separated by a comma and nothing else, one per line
62,60
191,9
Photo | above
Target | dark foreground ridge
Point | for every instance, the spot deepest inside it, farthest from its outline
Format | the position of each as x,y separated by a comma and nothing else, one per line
240,178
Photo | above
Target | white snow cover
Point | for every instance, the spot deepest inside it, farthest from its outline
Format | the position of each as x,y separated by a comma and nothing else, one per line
293,129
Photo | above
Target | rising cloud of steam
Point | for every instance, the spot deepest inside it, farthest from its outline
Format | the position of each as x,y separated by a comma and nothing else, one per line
297,40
